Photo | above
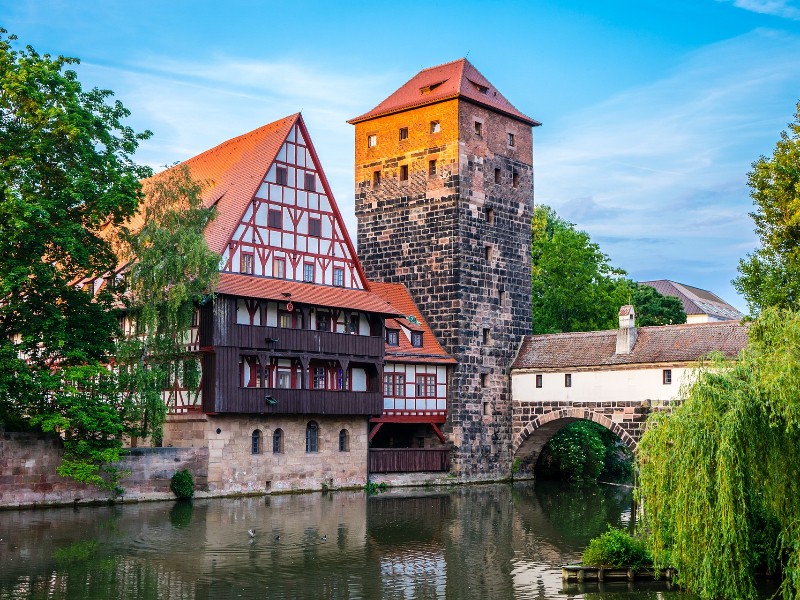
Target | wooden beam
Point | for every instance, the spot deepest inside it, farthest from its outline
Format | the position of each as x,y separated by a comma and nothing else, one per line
438,433
374,431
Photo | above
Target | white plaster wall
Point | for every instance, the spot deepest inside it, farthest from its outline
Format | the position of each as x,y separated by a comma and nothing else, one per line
599,386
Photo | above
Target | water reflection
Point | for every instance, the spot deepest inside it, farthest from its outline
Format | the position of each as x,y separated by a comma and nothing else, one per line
489,541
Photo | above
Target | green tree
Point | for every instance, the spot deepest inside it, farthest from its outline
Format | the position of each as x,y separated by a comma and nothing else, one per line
720,475
574,286
66,169
770,276
653,308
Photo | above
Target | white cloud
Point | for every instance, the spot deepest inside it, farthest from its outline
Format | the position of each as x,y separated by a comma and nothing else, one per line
657,174
777,8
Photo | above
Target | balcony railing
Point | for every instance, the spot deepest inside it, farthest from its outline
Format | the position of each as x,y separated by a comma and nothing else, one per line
292,401
278,339
408,460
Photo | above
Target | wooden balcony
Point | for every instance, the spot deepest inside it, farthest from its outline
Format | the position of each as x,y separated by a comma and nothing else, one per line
302,341
408,460
303,402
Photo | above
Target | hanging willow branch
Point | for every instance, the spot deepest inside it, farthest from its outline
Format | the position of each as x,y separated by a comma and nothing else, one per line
720,476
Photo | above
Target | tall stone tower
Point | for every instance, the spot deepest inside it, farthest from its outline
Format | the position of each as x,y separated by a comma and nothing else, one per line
444,195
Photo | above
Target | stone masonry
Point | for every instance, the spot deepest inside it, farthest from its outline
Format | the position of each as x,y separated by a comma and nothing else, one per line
457,234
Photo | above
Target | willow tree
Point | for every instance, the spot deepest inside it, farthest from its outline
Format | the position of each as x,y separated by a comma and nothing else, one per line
170,272
720,476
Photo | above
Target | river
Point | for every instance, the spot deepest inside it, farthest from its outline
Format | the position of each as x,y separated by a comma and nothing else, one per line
493,541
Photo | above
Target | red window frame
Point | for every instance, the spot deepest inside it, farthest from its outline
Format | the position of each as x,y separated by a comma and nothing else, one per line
247,261
394,385
279,267
338,276
426,384
314,227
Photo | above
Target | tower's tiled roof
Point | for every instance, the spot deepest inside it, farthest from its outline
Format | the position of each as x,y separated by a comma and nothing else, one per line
398,297
695,300
457,79
666,344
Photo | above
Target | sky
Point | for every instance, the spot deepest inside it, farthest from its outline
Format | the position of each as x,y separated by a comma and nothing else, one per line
652,111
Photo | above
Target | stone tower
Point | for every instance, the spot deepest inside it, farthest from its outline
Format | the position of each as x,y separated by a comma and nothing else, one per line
444,195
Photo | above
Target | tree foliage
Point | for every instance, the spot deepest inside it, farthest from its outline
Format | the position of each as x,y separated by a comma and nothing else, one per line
574,286
66,168
720,475
653,308
770,276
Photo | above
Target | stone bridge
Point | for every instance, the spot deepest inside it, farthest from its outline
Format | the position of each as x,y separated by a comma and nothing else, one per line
534,423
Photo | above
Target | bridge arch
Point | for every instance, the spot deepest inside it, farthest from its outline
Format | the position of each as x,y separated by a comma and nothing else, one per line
533,437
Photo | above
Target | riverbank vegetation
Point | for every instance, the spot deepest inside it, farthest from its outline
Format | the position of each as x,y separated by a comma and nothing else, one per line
720,475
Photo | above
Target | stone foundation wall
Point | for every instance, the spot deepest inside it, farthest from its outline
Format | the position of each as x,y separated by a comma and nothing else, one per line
234,468
28,475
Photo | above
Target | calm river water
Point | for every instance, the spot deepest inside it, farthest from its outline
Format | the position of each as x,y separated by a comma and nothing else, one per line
486,542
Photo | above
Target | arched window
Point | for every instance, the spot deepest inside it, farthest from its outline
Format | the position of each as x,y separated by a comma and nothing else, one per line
256,442
277,441
344,441
312,437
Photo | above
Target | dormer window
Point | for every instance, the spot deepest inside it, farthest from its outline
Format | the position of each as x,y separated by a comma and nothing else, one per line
416,339
427,89
393,337
481,88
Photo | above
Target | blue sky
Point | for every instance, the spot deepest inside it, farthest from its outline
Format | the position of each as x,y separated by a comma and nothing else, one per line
652,111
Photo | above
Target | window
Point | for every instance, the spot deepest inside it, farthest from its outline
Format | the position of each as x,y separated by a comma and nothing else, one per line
416,339
501,298
511,139
487,336
568,380
487,409
435,127
403,133
667,376
488,252
341,382
308,272
338,276
376,178
489,214
274,219
277,441
279,267
247,263
393,337
344,442
312,437
255,446
323,321
426,386
319,378
286,320
353,326
282,176
515,179
484,380
310,182
539,380
314,227
432,168
497,175
403,172
478,128
372,141
394,385
284,379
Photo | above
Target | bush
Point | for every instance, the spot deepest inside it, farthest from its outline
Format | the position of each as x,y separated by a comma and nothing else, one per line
182,484
617,548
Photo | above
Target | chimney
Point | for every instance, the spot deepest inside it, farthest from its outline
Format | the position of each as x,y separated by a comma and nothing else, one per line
626,334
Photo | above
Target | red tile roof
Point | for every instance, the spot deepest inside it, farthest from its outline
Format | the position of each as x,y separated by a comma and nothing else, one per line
268,288
695,301
431,351
669,343
457,79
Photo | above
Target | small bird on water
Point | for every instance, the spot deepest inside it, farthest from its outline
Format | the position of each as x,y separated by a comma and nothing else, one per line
252,532
324,538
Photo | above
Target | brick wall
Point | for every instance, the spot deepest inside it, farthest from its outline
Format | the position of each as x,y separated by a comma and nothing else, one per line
28,471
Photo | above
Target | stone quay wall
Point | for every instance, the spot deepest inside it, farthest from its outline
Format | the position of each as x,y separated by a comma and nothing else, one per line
28,476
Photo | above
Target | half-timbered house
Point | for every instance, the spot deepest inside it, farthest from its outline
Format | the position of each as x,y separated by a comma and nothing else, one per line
292,344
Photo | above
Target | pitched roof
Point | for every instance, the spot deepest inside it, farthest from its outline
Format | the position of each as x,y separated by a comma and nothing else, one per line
457,79
431,351
695,300
269,288
665,344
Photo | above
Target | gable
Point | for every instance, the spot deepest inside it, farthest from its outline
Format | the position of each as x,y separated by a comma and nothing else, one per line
292,229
